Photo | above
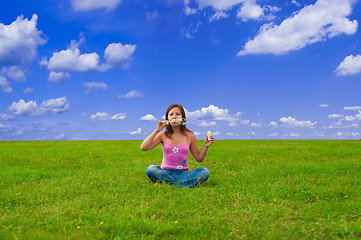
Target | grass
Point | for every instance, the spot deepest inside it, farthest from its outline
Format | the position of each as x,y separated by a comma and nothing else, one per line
257,190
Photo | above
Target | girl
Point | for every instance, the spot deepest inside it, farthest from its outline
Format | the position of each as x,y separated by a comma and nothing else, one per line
177,140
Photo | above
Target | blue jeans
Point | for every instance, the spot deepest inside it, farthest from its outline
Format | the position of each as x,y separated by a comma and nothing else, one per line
178,177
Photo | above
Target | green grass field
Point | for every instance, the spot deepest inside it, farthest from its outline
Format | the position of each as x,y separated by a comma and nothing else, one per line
257,190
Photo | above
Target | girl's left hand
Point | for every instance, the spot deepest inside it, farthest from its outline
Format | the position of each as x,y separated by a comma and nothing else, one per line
207,142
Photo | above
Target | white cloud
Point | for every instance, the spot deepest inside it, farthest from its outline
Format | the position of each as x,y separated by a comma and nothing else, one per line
103,116
296,3
99,116
213,112
345,135
232,124
335,115
43,62
319,134
14,72
357,117
323,105
196,133
314,23
191,30
47,107
19,41
273,124
349,66
275,134
19,133
95,85
352,108
28,90
119,116
138,131
216,133
6,117
252,134
187,9
71,60
292,122
148,117
256,125
5,85
295,135
338,135
89,5
4,127
250,10
244,122
130,95
205,124
230,134
23,108
272,8
54,103
342,119
220,9
118,55
218,5
218,15
241,122
58,77
341,124
60,136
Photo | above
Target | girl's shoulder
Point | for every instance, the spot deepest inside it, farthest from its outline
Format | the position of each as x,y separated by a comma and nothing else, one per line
189,132
161,135
191,135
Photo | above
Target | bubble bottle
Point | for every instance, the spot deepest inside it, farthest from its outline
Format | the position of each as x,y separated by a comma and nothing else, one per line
209,134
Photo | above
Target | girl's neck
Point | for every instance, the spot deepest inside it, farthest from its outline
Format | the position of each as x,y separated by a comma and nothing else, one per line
176,130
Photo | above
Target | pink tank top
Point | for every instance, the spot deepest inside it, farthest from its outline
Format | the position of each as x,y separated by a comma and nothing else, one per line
175,156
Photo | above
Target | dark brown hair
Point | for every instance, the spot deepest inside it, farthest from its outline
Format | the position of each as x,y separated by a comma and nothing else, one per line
169,130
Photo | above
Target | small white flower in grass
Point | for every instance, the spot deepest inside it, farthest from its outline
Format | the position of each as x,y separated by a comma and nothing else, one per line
175,149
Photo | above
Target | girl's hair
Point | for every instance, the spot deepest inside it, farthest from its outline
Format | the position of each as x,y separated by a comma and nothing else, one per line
169,130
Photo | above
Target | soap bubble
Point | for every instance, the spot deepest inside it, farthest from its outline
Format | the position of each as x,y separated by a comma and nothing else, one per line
182,121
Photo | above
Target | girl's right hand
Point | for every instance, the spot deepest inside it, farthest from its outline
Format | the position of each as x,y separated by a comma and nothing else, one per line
161,125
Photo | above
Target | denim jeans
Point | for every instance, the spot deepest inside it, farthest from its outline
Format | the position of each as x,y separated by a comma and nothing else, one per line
178,177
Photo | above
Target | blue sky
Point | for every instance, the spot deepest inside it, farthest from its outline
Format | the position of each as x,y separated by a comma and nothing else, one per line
243,69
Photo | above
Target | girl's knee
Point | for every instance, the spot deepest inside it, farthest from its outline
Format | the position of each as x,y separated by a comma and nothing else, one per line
152,169
204,173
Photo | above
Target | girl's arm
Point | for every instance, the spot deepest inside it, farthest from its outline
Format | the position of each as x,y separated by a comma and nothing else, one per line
196,152
154,138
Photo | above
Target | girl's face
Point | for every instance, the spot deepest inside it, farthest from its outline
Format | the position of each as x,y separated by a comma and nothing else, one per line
174,113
